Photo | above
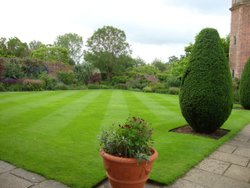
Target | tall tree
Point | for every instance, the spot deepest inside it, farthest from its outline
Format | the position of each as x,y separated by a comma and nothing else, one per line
3,47
73,43
17,48
226,43
51,53
157,63
35,44
105,47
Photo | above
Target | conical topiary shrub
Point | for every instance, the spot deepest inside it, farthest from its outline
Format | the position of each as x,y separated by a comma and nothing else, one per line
245,86
206,98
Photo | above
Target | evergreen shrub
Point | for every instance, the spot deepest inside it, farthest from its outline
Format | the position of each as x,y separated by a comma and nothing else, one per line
245,86
206,98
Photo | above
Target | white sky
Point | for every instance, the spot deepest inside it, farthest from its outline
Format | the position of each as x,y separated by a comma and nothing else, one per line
154,28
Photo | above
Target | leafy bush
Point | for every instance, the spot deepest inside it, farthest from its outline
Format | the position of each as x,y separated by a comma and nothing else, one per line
51,53
61,86
147,89
119,80
236,84
236,96
66,77
95,78
34,68
245,86
174,90
10,81
83,72
49,82
121,86
161,90
162,77
2,88
1,69
173,82
157,86
206,97
14,87
137,82
32,85
131,139
13,69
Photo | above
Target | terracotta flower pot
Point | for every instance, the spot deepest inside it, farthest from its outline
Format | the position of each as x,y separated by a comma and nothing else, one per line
126,172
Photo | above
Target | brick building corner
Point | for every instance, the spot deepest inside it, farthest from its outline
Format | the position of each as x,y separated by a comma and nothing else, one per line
239,51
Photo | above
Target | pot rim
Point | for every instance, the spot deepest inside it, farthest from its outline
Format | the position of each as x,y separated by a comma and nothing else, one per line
127,160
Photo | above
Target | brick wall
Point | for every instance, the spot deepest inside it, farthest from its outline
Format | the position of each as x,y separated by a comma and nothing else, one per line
239,36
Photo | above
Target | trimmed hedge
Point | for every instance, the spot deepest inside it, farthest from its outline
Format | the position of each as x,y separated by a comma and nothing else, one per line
206,97
245,86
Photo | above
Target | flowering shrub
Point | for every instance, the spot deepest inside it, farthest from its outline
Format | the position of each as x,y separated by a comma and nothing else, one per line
131,139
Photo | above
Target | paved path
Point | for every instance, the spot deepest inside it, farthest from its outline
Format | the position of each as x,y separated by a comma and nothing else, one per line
227,167
13,177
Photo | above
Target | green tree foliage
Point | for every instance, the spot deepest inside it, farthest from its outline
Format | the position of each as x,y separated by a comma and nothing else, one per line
3,47
157,63
16,48
144,70
83,72
35,44
178,66
206,94
73,43
105,47
245,86
226,43
139,62
51,53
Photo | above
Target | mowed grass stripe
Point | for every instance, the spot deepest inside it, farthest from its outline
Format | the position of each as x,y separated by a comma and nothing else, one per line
138,108
29,101
169,109
9,97
90,111
117,110
162,112
168,101
23,115
79,138
63,115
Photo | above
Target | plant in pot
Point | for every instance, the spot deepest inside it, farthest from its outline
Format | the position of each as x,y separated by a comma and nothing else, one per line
127,153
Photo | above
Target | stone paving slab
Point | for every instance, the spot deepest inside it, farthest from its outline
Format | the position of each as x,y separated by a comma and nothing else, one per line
243,152
32,177
226,182
242,137
212,165
5,167
12,177
227,148
185,184
10,181
239,144
201,177
239,173
50,184
231,158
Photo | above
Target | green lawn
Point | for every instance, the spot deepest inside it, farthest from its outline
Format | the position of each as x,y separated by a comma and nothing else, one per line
55,133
